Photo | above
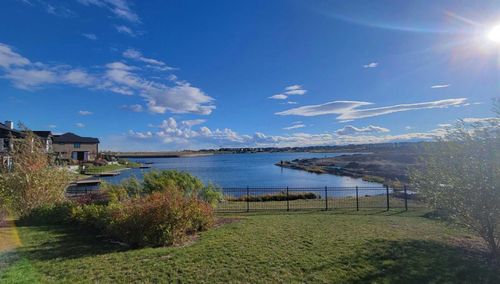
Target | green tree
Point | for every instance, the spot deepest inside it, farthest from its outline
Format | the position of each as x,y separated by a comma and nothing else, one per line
460,175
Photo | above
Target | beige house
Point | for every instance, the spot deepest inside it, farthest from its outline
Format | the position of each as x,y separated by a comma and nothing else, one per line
73,147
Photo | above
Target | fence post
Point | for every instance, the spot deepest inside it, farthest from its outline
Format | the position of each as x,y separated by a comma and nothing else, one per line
287,200
387,194
406,198
326,198
357,199
248,199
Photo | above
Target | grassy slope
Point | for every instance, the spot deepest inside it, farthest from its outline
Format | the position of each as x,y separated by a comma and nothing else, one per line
296,247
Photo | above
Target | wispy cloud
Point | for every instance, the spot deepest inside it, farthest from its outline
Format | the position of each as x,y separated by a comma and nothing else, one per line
85,112
167,95
120,8
295,126
90,36
52,126
80,125
125,30
480,119
352,130
440,86
133,108
371,65
181,135
350,110
289,91
153,63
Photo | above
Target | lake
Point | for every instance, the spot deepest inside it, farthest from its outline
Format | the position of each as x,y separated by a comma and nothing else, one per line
241,170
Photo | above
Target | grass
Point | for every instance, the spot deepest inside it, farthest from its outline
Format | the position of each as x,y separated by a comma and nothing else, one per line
343,202
108,168
312,247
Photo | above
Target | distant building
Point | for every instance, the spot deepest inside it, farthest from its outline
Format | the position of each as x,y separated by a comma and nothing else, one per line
7,136
70,146
46,139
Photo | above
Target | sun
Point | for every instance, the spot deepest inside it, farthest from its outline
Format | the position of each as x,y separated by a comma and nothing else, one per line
494,34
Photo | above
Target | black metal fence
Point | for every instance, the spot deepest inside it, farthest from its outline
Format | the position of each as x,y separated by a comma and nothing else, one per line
249,199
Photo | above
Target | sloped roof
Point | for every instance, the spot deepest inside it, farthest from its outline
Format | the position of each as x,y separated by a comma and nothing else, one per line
43,134
6,132
73,138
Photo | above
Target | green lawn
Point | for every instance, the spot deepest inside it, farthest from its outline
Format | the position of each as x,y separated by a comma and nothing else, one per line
105,168
319,247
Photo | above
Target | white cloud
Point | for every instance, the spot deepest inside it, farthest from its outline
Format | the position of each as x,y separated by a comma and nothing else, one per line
140,135
90,36
480,119
295,126
152,63
80,125
193,122
133,108
440,86
444,125
120,8
352,130
181,135
85,112
125,30
289,91
335,107
52,126
9,58
409,127
279,97
117,77
350,110
293,87
371,65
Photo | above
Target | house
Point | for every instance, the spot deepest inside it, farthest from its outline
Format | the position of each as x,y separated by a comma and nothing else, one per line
7,136
70,146
46,139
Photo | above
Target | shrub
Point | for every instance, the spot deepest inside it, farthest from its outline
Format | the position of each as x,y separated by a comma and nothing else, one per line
92,216
33,180
184,182
50,214
281,196
162,218
211,194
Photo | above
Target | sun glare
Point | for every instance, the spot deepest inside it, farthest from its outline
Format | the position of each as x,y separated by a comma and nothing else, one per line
494,34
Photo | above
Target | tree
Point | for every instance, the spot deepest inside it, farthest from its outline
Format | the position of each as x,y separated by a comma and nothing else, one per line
460,174
33,180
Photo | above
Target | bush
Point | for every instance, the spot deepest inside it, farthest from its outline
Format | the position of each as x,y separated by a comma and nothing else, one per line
91,216
50,214
159,219
211,194
282,196
184,182
33,181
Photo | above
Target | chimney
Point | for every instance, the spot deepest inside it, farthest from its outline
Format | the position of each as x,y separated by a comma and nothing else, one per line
9,124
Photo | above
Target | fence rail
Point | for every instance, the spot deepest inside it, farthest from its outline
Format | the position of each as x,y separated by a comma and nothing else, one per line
247,199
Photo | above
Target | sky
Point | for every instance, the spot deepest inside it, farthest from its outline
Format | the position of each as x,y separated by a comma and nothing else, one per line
174,75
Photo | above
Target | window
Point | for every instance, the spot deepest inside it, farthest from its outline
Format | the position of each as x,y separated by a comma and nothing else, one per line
76,145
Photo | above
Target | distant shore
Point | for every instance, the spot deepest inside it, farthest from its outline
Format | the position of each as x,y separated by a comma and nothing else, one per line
160,154
386,167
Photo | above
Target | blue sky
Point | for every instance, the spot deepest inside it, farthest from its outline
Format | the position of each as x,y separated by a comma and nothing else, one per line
171,75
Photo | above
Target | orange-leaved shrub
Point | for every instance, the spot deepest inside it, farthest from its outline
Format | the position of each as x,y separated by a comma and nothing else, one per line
159,219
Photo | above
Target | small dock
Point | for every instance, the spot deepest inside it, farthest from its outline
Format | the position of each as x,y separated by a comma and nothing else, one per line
86,182
107,174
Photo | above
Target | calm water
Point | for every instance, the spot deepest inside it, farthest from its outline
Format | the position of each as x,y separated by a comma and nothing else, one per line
241,170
